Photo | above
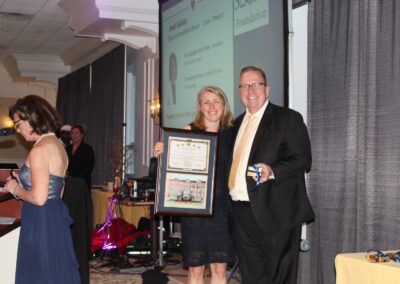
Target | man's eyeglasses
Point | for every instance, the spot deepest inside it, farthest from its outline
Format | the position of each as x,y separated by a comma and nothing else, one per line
253,86
17,123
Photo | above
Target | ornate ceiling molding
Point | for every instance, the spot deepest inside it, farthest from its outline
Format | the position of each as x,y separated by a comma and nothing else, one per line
136,42
131,22
149,28
29,67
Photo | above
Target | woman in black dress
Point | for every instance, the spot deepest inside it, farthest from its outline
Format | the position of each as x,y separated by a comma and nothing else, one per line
207,240
80,155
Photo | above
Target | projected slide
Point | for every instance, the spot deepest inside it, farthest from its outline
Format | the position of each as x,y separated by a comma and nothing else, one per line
207,42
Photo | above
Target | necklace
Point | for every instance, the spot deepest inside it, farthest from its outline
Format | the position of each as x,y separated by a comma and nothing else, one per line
42,136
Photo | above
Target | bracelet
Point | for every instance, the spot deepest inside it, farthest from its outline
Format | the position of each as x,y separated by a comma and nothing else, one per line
13,191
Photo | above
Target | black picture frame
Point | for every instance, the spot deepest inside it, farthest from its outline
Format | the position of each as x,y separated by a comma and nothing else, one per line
186,173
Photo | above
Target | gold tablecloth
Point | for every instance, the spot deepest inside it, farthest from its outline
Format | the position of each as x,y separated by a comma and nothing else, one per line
354,268
130,213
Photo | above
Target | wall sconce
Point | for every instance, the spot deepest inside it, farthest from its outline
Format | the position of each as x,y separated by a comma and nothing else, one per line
8,122
154,108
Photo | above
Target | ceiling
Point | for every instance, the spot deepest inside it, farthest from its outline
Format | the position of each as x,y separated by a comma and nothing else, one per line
34,27
60,31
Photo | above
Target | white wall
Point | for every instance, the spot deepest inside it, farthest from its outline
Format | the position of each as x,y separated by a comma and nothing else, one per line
298,68
146,131
13,148
8,256
298,99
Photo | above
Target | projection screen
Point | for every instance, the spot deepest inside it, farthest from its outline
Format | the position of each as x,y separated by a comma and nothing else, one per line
207,42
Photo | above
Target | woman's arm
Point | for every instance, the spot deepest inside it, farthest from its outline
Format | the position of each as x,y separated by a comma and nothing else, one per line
39,166
88,162
158,149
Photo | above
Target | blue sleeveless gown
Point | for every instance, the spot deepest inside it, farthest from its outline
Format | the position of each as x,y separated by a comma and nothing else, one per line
45,250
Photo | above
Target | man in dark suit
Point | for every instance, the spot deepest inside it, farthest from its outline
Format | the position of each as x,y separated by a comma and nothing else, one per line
268,211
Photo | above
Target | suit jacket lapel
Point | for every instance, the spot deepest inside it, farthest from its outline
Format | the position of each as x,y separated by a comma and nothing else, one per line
238,124
235,130
263,129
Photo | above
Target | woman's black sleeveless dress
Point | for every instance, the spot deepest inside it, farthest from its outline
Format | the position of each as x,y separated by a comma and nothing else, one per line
208,239
45,251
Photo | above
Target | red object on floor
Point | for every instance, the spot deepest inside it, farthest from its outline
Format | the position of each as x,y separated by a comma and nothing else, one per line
120,233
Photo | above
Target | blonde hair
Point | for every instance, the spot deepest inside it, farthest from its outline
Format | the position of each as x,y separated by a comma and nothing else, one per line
226,120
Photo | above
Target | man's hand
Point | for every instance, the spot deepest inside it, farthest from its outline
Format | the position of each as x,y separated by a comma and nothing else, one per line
266,173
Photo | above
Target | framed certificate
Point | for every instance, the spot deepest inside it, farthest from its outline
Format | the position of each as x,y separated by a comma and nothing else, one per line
186,171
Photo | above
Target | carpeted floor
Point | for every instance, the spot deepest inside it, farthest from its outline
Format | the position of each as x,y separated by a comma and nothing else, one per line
129,271
115,278
105,272
176,276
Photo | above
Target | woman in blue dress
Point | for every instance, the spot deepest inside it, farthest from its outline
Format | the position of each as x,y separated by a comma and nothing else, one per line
45,251
207,240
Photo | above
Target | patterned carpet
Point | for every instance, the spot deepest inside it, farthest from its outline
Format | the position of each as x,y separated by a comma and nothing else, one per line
130,270
124,270
115,278
176,276
107,271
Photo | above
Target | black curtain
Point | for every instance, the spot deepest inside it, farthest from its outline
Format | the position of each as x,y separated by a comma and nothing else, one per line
96,99
353,118
73,96
106,111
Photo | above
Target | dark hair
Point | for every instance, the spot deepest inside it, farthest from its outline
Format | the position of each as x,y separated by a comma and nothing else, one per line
255,69
226,119
81,127
40,114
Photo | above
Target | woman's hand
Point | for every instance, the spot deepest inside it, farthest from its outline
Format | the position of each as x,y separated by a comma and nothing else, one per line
158,149
11,185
